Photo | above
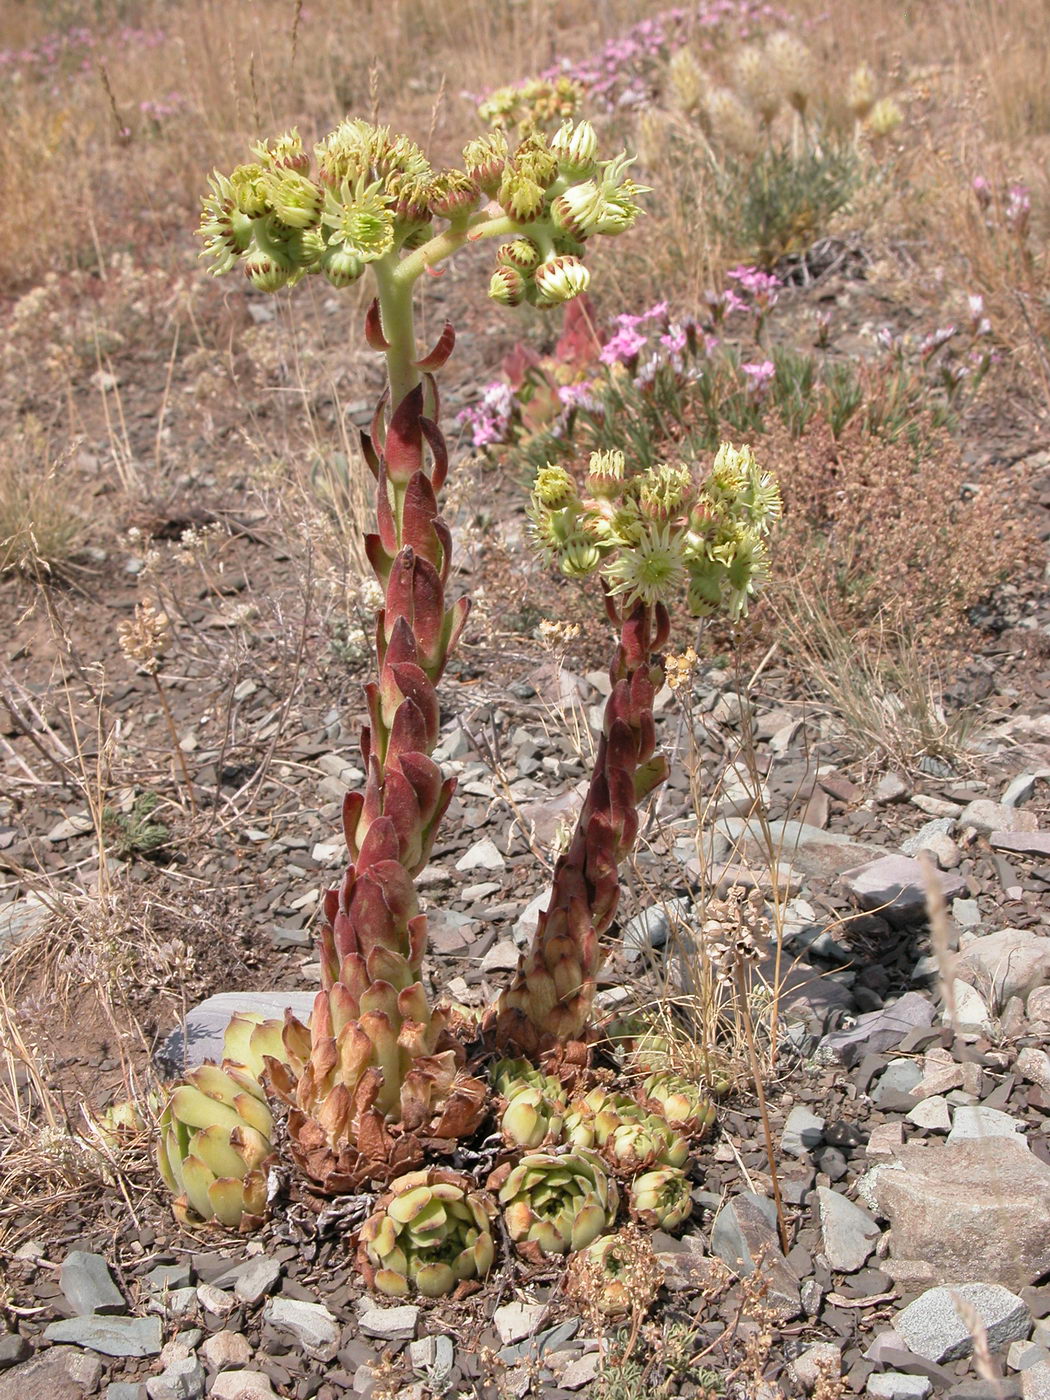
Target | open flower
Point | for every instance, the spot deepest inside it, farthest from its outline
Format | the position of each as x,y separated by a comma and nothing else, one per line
359,221
649,571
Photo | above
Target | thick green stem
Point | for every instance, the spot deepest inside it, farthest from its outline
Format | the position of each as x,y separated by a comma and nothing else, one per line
395,310
437,249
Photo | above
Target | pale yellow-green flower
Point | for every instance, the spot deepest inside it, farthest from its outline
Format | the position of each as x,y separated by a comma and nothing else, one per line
359,221
651,570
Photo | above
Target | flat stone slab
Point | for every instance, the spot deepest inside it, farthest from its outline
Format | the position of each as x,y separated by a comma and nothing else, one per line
932,1326
87,1284
876,1031
111,1336
1010,963
974,1210
1022,843
894,886
200,1036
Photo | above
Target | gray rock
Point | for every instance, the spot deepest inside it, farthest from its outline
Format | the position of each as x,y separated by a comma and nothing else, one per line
85,1368
974,1210
971,1010
87,1284
848,1232
311,1324
13,1349
985,817
20,920
932,1327
802,1132
535,1347
168,1276
1022,843
529,918
899,1077
226,1351
182,1380
976,1121
124,1390
215,1300
433,1357
877,1031
241,1385
935,806
1009,963
651,927
932,1114
966,912
744,1236
892,787
253,1280
894,887
200,1036
1035,1381
821,1359
920,841
581,1371
810,850
1021,1355
482,855
177,1303
45,1377
518,1319
390,1324
1020,790
112,1336
1034,1065
895,1385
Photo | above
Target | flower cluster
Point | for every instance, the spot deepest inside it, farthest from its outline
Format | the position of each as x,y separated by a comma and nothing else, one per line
653,532
624,71
374,196
489,419
538,104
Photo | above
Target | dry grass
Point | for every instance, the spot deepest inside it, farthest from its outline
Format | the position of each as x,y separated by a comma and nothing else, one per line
40,533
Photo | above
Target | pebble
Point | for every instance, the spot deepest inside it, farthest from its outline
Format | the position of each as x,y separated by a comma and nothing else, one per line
182,1380
311,1324
985,816
241,1385
803,1131
894,887
1011,962
931,1325
932,1114
483,855
966,912
435,1357
87,1284
518,1319
390,1324
744,1231
895,1385
848,1232
226,1350
215,1300
821,1359
13,1349
1034,1065
892,787
253,1280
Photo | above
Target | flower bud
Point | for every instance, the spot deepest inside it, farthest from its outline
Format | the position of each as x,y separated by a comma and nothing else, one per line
452,194
575,148
284,152
484,159
560,280
663,491
295,200
605,474
520,197
578,557
533,160
263,272
553,488
507,286
341,267
248,184
521,253
731,123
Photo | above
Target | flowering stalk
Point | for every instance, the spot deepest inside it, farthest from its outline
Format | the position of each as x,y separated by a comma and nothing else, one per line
648,534
377,1073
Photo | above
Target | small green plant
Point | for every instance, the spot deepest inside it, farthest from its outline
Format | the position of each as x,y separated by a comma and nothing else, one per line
135,832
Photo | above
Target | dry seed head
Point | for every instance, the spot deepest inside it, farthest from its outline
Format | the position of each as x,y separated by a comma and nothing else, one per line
685,82
144,637
679,669
793,68
885,117
757,82
860,91
732,125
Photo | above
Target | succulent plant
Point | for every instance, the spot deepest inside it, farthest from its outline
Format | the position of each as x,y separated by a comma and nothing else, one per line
509,1077
680,1102
532,1119
554,1204
430,1231
214,1147
661,1198
641,1140
589,1120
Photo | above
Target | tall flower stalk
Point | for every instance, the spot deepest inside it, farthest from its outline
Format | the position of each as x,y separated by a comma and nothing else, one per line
377,1075
649,535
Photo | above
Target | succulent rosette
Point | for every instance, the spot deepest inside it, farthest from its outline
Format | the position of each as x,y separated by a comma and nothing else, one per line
661,1198
680,1102
430,1232
554,1204
641,1140
214,1147
532,1119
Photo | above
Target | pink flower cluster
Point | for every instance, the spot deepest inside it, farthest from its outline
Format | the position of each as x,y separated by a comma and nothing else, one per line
161,110
625,70
489,419
762,287
70,49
